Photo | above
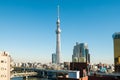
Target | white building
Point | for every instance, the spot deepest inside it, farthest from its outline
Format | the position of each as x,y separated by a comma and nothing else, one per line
5,61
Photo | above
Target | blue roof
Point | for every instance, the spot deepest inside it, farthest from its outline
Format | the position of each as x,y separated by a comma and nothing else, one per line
116,35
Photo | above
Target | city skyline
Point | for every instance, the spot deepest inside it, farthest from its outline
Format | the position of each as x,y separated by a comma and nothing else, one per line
28,28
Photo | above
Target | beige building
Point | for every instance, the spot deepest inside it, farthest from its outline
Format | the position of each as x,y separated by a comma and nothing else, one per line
5,61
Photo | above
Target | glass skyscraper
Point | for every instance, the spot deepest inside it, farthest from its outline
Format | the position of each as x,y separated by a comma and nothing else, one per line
116,41
53,58
81,53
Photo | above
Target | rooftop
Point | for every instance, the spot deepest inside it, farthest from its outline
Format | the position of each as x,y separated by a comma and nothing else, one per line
116,35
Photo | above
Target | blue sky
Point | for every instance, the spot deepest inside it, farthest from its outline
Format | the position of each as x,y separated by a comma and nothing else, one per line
27,28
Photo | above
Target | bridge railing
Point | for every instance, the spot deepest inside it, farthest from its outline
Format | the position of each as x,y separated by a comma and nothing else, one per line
24,74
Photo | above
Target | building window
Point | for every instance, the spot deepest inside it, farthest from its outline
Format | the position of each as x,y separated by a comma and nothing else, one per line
2,61
3,75
2,68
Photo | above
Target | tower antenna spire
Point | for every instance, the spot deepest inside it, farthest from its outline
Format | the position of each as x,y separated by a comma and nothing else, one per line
58,41
58,11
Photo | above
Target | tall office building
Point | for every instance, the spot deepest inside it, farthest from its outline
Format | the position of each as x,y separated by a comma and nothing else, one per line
116,41
53,58
58,41
81,53
5,61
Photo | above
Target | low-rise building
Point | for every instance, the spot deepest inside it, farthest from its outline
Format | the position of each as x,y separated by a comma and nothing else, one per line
5,61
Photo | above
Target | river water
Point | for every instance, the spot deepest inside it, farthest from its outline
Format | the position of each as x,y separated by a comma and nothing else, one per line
30,78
